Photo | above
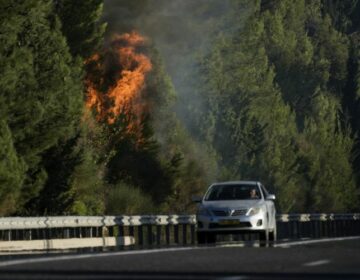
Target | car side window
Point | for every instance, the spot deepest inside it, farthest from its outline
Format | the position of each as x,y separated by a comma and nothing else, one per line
264,191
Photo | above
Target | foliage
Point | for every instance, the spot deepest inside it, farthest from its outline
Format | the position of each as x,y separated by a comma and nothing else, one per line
257,90
40,87
122,198
81,25
12,171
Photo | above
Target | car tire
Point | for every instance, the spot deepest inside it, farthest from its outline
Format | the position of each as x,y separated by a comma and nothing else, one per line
273,235
211,238
264,238
201,237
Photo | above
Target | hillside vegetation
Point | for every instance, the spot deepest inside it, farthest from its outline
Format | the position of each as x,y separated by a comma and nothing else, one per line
132,107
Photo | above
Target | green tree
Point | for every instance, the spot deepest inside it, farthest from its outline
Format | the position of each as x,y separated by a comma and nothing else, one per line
326,152
251,127
40,86
75,175
74,183
12,171
81,25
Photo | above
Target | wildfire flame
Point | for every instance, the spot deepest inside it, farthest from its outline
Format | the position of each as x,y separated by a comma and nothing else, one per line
119,78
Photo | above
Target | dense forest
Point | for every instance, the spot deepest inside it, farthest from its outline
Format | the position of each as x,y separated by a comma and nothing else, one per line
132,107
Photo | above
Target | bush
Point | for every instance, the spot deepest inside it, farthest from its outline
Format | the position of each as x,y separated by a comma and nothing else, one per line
123,199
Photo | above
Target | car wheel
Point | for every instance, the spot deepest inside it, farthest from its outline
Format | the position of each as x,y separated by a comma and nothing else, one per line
273,235
211,238
264,238
201,237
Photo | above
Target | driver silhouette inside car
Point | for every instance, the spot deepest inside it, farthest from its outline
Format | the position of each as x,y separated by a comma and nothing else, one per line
254,194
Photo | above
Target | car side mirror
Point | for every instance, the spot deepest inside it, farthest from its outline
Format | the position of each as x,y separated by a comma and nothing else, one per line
196,198
270,197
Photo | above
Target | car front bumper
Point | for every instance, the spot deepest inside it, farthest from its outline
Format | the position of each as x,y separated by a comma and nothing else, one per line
231,224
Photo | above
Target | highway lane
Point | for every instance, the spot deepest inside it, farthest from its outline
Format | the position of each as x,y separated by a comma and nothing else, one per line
326,260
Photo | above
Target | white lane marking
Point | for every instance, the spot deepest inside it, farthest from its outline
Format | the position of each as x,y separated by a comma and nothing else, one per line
95,255
230,245
317,263
313,241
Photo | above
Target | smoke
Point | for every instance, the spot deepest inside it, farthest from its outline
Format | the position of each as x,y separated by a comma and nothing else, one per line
182,31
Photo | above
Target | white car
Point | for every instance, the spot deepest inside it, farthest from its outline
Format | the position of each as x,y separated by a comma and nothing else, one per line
236,207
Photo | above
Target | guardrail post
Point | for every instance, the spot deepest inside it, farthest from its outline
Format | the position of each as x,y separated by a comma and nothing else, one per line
111,231
167,234
140,235
158,234
315,229
176,234
326,228
343,228
192,233
280,229
8,235
351,229
184,233
121,230
321,228
298,227
149,234
294,229
347,227
90,232
307,228
339,228
131,231
288,230
29,235
333,228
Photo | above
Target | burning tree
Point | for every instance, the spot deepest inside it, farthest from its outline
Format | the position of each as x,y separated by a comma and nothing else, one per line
116,81
118,95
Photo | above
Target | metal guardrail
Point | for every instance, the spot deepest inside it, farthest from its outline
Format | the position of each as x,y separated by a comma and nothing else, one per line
141,230
160,229
316,217
92,221
294,226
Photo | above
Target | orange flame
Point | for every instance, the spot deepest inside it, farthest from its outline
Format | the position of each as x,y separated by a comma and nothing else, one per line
128,68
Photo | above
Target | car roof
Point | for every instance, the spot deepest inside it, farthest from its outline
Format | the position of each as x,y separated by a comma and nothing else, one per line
236,183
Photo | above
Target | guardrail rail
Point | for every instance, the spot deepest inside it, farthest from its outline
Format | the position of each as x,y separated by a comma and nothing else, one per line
30,233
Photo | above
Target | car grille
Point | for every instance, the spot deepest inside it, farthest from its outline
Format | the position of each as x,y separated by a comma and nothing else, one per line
220,213
223,213
240,225
239,212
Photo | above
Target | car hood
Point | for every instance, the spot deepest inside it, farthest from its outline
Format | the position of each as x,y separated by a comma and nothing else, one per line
233,204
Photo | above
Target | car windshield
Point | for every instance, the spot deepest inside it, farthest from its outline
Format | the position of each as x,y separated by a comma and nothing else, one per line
233,192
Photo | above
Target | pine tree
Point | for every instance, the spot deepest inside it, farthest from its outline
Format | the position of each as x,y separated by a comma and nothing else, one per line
81,25
12,171
253,130
40,86
326,153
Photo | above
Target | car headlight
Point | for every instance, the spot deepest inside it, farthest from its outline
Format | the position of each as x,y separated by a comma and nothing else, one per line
203,212
254,211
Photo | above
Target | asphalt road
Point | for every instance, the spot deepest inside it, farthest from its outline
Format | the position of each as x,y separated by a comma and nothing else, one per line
325,260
